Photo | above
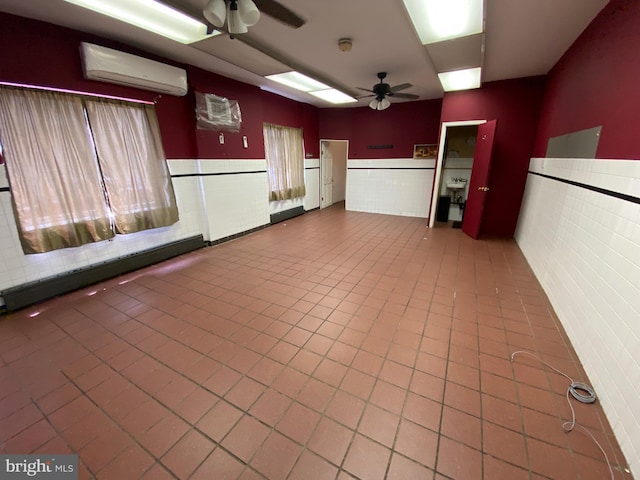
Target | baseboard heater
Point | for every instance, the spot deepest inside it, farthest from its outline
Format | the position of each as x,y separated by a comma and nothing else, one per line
287,214
33,292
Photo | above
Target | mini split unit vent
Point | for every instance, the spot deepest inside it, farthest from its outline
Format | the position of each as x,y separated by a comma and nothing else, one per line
107,65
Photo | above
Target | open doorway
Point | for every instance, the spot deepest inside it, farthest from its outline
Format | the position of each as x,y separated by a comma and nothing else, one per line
333,171
453,172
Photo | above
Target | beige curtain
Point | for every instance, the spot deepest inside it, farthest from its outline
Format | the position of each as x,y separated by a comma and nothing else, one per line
134,168
285,162
55,187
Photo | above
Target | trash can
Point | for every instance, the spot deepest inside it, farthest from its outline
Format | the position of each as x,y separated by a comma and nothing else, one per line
442,212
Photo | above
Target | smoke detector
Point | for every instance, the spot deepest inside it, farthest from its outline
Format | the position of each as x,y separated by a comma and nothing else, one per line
345,44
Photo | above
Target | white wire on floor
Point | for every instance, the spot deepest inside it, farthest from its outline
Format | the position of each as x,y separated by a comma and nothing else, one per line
576,390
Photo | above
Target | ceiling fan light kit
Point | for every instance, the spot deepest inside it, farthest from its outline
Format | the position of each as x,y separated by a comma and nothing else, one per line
239,14
380,103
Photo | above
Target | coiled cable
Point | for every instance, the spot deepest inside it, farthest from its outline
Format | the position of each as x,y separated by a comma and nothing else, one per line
582,393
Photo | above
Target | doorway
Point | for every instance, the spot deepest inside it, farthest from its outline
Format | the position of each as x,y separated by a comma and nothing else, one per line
333,171
453,176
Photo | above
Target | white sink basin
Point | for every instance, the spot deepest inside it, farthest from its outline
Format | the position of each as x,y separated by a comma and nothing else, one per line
457,185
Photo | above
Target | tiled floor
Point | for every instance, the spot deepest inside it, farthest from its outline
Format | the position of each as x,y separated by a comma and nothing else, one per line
335,345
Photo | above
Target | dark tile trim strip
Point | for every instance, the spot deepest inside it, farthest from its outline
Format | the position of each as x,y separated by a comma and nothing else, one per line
604,191
391,168
181,175
4,189
312,168
218,241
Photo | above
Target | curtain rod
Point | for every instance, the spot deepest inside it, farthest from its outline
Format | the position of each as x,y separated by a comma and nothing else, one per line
75,92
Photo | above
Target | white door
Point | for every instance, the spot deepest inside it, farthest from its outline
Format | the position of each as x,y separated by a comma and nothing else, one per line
326,172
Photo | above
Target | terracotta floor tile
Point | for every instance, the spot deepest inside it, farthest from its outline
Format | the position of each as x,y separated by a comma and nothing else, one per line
349,342
462,398
219,420
131,463
402,468
244,393
550,460
505,445
195,405
346,409
496,468
163,435
316,394
298,423
395,373
270,407
379,425
417,443
366,459
218,465
457,460
427,385
276,457
312,466
330,440
245,438
185,456
462,427
388,396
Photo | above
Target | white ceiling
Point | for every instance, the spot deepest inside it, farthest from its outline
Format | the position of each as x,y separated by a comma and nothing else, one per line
522,38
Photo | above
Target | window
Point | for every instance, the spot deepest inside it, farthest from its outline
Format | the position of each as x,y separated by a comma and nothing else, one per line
285,162
66,178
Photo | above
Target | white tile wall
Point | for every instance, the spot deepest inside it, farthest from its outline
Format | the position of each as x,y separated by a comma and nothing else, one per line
312,183
585,250
234,203
393,186
18,268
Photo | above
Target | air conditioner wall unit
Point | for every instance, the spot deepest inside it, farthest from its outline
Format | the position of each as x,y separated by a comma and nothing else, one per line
113,66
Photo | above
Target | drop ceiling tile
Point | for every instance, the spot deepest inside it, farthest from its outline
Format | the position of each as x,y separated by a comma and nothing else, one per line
241,55
465,52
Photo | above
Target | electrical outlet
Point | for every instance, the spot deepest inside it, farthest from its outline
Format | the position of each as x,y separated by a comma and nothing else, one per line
245,143
221,137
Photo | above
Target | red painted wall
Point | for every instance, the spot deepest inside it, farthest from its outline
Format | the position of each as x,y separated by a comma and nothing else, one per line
402,125
515,104
596,83
46,55
289,113
249,99
42,54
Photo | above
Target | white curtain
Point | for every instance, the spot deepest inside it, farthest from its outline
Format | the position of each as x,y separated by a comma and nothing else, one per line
133,165
56,190
285,162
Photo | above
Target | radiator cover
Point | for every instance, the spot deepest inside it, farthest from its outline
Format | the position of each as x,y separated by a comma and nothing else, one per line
33,292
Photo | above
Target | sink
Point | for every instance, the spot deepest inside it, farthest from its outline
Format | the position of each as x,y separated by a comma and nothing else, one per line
456,185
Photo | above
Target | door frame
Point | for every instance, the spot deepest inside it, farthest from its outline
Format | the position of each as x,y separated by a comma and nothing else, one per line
346,168
439,163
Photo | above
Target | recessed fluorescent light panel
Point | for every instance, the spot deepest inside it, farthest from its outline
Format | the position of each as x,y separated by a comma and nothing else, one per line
150,15
333,96
306,84
298,81
440,20
460,79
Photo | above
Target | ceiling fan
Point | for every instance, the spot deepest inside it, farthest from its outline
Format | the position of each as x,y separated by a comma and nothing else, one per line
240,14
383,90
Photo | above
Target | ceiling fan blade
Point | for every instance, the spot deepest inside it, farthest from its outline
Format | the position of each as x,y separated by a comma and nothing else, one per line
404,95
402,86
365,89
280,12
366,96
